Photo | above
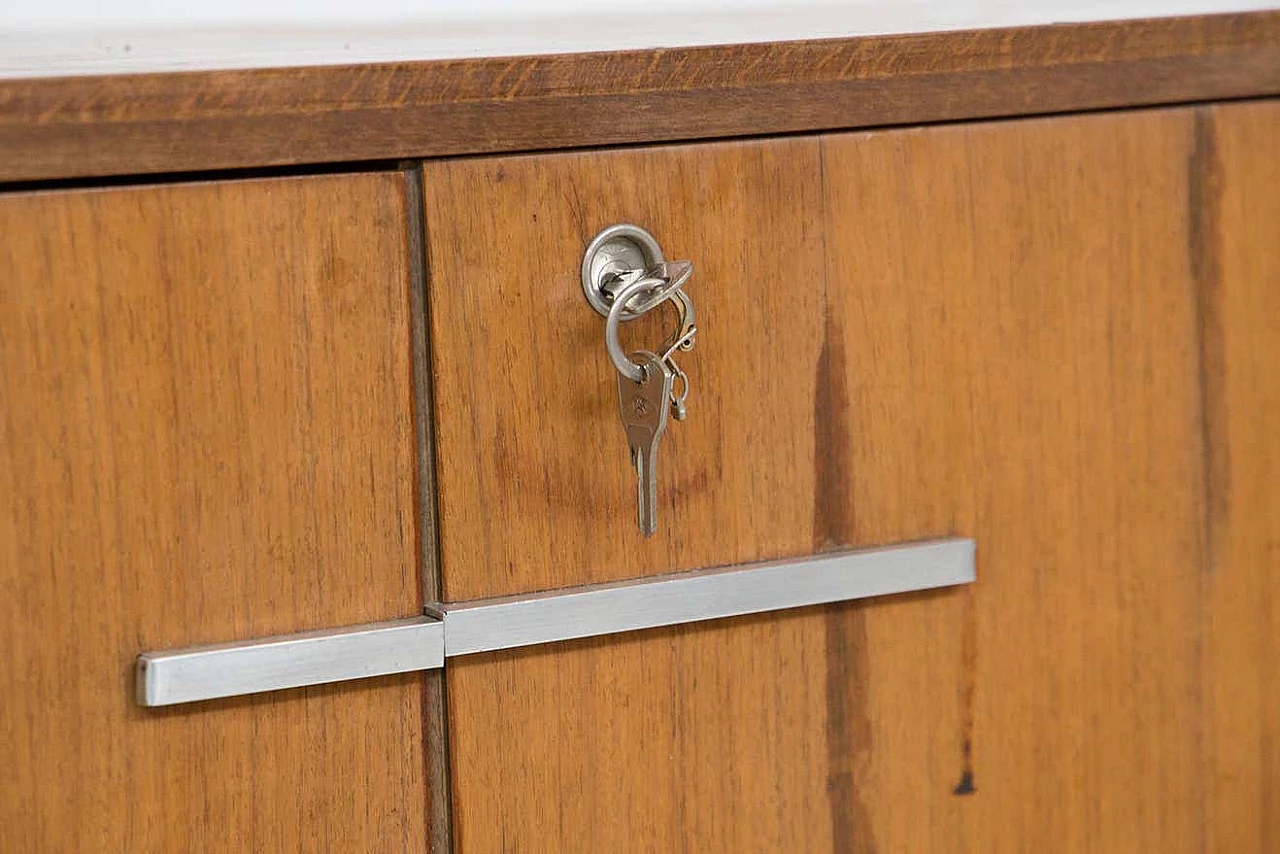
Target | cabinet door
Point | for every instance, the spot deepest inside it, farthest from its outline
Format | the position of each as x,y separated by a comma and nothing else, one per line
1237,262
206,435
989,330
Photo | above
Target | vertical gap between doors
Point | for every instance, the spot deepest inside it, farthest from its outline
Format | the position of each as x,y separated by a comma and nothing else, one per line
439,812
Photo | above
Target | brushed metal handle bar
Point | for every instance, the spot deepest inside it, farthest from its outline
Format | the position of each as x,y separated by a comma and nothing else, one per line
483,625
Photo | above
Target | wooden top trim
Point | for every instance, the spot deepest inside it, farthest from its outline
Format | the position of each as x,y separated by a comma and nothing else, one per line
139,124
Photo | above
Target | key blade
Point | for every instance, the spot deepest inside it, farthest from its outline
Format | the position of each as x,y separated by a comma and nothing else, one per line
647,490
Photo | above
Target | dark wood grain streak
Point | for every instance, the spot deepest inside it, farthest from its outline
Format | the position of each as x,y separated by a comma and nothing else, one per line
848,731
135,124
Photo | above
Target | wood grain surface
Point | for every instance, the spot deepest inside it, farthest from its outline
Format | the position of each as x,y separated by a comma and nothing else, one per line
1017,332
986,330
206,434
93,126
1238,266
535,486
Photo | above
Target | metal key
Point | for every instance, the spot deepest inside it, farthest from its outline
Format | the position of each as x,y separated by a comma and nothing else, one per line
643,406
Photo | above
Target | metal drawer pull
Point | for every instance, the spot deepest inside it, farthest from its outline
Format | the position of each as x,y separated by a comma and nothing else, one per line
289,661
689,597
482,625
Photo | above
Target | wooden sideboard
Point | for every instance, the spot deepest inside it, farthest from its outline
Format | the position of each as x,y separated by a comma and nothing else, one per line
1021,286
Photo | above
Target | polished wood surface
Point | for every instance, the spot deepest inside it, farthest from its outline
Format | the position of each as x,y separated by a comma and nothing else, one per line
1018,360
1238,267
535,487
206,434
987,330
92,126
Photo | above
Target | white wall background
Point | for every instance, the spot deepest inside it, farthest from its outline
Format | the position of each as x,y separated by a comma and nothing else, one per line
61,37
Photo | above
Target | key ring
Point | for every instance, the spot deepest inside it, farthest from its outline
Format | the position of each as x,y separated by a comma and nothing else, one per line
666,289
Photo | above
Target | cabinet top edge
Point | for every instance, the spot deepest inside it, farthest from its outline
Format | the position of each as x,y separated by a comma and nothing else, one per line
146,124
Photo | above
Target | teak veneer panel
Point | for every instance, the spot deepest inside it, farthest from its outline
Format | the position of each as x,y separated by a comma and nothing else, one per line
1239,268
986,330
206,434
133,124
1017,324
535,487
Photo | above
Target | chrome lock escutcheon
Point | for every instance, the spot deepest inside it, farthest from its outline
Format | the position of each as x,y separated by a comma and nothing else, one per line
623,253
